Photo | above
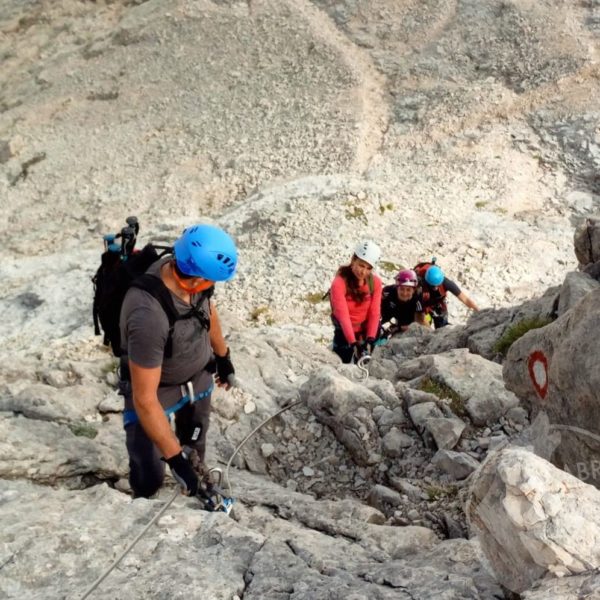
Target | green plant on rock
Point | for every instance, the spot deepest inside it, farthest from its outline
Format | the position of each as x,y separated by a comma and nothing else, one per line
356,212
384,207
435,492
517,330
261,313
443,391
315,297
109,367
83,430
389,267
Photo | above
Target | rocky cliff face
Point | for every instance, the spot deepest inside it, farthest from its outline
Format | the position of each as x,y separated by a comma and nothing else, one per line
465,130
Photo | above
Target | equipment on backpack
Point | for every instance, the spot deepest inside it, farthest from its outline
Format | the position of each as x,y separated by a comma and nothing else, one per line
368,251
121,268
206,251
407,278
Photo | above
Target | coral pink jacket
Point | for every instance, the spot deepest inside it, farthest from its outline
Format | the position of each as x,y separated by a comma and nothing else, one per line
354,317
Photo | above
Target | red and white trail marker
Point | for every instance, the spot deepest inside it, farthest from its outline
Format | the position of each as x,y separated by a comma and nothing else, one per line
538,371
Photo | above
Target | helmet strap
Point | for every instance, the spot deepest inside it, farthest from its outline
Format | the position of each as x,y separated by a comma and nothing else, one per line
185,282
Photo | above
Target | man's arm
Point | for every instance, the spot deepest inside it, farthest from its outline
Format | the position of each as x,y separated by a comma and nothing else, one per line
466,300
155,423
217,341
225,369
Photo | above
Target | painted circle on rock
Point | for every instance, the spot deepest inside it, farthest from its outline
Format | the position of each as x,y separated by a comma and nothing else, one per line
538,372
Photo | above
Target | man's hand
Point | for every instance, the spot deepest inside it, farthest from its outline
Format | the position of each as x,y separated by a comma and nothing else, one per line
225,370
184,474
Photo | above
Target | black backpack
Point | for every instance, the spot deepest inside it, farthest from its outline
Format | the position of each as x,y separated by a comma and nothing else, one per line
122,268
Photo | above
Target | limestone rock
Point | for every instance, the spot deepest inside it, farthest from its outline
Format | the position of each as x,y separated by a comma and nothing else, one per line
476,381
445,432
48,403
395,441
383,498
346,408
532,519
573,587
554,371
457,464
574,288
587,241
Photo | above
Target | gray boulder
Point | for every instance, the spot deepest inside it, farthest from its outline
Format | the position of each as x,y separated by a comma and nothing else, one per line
52,453
575,587
532,519
456,464
346,408
554,370
486,327
47,403
445,432
475,382
587,241
575,287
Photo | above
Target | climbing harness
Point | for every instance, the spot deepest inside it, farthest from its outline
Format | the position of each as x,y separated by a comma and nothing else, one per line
130,416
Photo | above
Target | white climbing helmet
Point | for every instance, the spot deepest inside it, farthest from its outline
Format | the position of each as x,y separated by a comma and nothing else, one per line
368,251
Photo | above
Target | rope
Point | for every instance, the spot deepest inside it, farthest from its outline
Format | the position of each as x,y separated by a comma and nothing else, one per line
128,549
362,363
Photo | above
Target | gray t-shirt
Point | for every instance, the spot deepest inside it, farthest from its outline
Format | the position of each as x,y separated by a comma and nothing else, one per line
144,333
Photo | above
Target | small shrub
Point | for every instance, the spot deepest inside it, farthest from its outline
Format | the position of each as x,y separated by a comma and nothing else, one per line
109,367
390,267
356,212
435,492
83,430
315,297
384,207
256,313
480,204
517,330
261,313
442,391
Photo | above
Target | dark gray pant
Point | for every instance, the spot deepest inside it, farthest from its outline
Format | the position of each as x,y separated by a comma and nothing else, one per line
146,469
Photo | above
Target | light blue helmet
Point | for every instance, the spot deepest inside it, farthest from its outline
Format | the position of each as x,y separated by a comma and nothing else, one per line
206,251
434,276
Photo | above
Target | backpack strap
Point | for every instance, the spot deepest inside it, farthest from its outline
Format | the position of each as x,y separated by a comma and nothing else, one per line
157,289
371,284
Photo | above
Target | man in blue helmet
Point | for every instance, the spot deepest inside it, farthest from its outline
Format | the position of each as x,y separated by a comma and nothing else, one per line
434,286
169,360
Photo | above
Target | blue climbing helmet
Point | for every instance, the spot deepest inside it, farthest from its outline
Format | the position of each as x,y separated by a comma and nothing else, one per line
434,275
206,251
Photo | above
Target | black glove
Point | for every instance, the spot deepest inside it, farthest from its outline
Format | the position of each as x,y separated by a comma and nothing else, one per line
369,345
184,474
225,370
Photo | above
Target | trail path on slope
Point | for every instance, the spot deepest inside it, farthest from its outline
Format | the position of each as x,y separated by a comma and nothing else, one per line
371,92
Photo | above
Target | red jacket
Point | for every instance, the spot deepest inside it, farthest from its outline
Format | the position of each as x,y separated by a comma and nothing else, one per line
356,317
